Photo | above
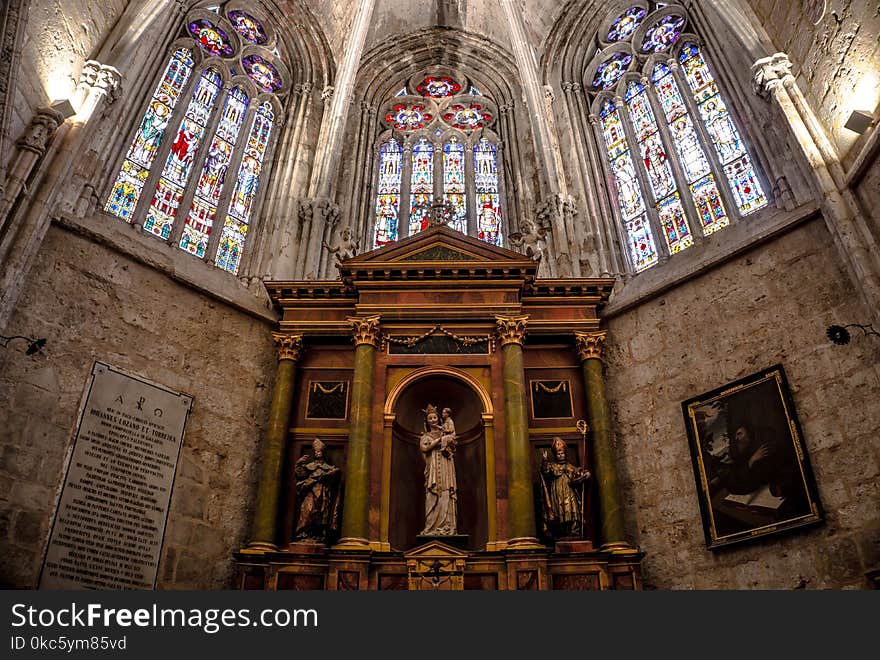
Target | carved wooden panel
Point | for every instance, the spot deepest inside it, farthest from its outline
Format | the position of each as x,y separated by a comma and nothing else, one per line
348,581
527,580
299,582
576,582
481,581
327,399
393,582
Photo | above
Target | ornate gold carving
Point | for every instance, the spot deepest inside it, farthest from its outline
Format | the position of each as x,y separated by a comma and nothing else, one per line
289,347
511,329
590,345
365,330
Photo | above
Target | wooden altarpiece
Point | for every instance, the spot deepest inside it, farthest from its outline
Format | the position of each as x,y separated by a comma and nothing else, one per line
445,317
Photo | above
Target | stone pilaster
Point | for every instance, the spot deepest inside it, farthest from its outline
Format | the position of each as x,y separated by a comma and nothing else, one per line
859,249
289,349
366,332
590,347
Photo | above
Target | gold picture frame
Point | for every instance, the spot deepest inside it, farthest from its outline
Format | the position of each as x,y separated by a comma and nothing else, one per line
752,471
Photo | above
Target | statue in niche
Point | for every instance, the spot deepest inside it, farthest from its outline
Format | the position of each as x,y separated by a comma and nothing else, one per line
563,490
317,488
344,246
438,447
529,240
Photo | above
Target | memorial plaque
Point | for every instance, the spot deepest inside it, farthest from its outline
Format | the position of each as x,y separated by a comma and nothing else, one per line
111,515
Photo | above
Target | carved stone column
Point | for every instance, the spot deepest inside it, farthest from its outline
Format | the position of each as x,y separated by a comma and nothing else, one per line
30,147
590,347
521,512
290,348
356,503
846,223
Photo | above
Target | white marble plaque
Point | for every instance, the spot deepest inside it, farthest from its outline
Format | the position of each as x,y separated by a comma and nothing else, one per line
111,515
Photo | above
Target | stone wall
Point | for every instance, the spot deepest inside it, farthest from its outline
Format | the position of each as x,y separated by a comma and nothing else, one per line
837,62
59,37
94,304
771,305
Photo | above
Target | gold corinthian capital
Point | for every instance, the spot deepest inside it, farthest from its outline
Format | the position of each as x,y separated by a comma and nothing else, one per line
365,330
289,347
590,345
511,329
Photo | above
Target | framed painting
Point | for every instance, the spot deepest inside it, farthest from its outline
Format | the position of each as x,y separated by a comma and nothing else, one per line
751,467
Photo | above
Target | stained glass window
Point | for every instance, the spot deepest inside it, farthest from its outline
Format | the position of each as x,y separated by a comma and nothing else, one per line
136,167
175,174
194,187
623,26
725,136
262,72
421,193
488,199
467,117
452,161
693,159
247,26
629,195
454,183
201,215
388,198
661,35
408,117
669,207
211,37
438,87
241,204
611,70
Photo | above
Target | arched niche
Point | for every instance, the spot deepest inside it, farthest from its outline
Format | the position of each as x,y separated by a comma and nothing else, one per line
468,401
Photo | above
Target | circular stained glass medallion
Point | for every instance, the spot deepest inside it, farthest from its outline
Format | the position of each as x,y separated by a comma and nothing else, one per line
247,26
662,33
262,72
408,117
611,70
625,24
438,87
210,37
467,117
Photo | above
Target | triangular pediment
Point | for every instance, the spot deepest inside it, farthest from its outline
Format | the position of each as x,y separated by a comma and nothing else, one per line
436,245
434,550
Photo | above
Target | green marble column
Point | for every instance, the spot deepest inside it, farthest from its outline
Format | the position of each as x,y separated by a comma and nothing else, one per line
611,533
268,489
520,507
356,502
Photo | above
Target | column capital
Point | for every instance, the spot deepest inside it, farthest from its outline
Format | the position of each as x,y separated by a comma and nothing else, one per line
289,347
768,72
590,345
511,329
39,132
365,330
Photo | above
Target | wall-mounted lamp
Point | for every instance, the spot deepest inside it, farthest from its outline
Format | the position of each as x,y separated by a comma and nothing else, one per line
839,334
34,345
63,107
859,121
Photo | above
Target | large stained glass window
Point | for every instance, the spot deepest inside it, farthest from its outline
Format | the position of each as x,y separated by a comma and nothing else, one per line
185,154
629,195
670,210
439,141
204,205
725,136
421,192
175,174
688,172
136,166
696,167
454,183
235,227
488,199
388,198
